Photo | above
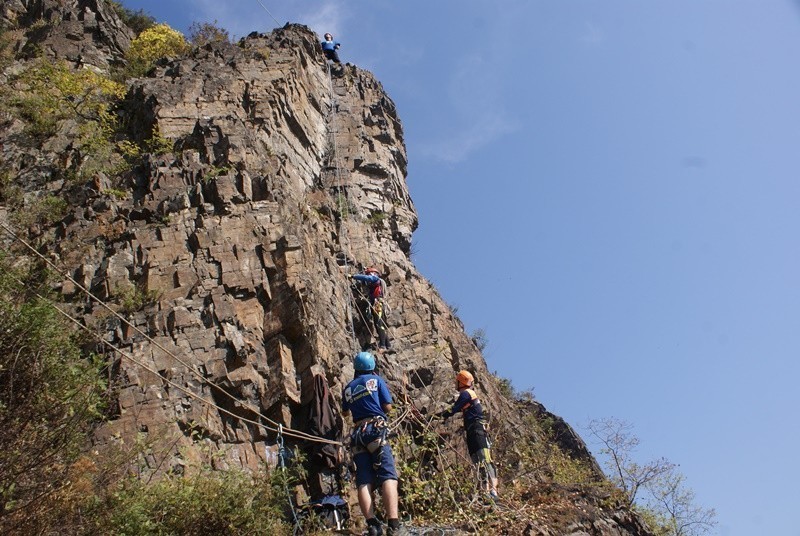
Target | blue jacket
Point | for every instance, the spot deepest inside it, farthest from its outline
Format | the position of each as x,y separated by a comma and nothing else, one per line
330,45
365,397
469,405
375,283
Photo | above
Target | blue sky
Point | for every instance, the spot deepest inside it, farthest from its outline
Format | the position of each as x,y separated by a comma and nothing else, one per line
610,190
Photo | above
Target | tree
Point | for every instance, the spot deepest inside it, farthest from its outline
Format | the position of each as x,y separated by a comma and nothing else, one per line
138,20
667,505
159,41
202,33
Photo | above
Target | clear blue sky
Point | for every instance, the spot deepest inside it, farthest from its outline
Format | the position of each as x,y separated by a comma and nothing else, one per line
611,190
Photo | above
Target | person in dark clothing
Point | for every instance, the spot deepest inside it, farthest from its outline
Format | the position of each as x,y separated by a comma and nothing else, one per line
377,303
323,420
478,443
368,399
329,47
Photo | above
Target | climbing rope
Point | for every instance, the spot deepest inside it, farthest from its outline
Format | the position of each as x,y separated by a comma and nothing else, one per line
343,201
285,479
268,12
288,431
427,426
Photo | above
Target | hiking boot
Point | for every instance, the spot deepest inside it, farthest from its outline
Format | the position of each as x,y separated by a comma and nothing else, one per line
399,531
374,527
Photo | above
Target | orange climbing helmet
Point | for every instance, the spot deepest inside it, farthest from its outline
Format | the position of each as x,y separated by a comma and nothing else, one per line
371,270
464,379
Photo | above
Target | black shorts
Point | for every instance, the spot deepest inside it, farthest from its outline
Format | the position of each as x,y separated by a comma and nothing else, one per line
477,439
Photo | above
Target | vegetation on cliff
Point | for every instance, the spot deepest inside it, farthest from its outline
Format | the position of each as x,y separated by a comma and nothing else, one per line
50,397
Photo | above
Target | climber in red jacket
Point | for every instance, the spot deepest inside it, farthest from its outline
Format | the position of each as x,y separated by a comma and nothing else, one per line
377,296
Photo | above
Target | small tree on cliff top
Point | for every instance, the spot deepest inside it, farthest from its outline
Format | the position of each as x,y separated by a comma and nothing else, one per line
667,505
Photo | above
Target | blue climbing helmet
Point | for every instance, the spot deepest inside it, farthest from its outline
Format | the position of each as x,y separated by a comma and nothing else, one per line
364,362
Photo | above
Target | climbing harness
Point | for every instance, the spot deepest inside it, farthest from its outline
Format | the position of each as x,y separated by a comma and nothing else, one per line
370,435
376,308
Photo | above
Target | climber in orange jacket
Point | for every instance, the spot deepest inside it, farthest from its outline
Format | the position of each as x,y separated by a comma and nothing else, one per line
478,443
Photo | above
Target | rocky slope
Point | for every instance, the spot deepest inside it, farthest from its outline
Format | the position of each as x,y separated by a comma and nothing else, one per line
238,244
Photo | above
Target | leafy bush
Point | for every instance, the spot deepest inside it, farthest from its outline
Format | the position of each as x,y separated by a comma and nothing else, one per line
43,211
228,503
133,298
429,483
156,42
376,219
50,396
480,339
203,33
50,92
539,455
158,144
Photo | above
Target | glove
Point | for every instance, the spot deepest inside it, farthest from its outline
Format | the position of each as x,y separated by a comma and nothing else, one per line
444,415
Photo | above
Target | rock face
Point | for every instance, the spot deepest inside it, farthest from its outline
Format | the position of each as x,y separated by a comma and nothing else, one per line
230,256
86,32
285,180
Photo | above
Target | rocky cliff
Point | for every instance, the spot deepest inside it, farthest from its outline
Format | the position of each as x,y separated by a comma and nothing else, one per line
229,255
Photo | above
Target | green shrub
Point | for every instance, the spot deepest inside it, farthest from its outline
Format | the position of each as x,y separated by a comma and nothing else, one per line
50,396
538,455
43,211
50,92
133,298
203,33
158,144
116,193
138,20
480,339
229,503
376,219
431,485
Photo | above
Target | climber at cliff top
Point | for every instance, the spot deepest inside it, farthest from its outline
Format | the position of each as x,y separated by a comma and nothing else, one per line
377,295
478,443
368,399
329,47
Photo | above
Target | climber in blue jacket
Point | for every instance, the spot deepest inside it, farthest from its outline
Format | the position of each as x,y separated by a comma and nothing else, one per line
329,47
377,296
368,399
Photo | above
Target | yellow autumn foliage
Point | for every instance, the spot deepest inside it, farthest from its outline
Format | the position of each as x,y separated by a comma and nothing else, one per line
156,42
50,92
